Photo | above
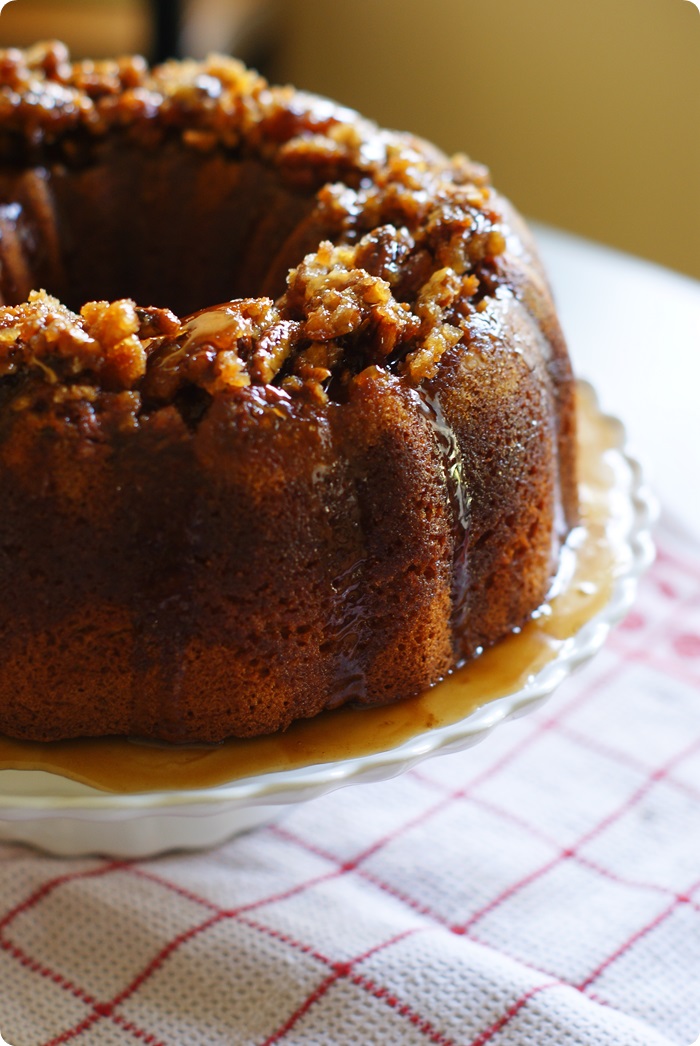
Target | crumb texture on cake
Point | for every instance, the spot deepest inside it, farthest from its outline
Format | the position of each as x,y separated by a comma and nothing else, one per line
286,415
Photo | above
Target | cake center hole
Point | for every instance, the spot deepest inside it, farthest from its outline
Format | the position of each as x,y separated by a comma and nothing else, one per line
171,228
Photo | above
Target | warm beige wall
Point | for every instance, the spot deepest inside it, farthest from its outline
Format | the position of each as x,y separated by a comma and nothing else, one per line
90,27
587,111
100,28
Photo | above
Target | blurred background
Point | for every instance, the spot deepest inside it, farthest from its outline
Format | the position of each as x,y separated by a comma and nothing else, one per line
588,113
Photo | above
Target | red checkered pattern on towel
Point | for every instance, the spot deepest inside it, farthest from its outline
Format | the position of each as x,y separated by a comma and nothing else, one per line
541,888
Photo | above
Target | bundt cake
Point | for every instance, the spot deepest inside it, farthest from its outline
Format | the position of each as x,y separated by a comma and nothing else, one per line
349,467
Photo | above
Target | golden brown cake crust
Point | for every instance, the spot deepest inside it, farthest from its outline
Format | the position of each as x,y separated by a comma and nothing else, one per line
350,476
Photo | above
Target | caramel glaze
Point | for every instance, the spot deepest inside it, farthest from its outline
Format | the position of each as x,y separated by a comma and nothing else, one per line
598,553
336,486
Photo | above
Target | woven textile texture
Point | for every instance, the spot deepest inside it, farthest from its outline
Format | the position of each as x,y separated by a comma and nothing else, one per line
541,888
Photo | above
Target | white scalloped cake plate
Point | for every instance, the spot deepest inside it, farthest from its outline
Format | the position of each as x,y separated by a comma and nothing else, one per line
132,800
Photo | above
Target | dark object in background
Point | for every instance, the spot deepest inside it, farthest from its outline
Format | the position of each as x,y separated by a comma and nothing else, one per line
167,17
248,29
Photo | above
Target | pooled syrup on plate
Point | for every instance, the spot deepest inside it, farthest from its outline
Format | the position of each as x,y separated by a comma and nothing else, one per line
599,551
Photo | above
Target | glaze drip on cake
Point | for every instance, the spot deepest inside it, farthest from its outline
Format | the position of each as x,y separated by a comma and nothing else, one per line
342,472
